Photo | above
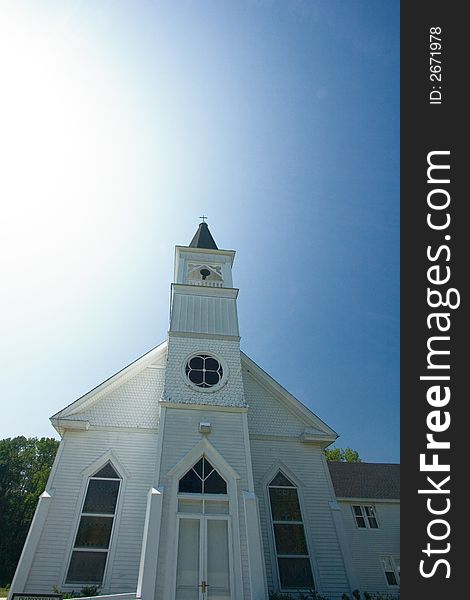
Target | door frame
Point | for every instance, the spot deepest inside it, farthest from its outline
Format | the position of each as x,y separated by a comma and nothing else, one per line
203,519
204,447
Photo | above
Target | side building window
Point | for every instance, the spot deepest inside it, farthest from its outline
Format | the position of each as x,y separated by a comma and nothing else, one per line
391,569
91,547
365,517
295,571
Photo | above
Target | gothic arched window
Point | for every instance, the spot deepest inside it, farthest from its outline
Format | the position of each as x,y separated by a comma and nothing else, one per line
295,571
202,478
91,547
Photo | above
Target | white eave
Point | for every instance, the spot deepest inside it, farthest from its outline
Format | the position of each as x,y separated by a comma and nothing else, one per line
61,425
182,249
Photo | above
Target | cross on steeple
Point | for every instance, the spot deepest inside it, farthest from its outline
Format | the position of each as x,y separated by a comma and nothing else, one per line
203,218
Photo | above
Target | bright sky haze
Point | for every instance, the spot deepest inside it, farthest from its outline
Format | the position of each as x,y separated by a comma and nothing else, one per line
122,122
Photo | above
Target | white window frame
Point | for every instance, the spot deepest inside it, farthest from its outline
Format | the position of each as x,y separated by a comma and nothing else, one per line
273,522
365,516
395,564
81,514
205,390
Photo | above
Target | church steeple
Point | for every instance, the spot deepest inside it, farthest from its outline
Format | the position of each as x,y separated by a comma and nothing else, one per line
203,337
202,263
203,238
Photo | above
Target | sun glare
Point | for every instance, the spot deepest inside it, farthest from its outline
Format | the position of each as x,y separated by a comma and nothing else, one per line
64,151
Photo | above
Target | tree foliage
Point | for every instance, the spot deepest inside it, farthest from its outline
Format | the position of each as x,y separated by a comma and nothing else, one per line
341,455
25,464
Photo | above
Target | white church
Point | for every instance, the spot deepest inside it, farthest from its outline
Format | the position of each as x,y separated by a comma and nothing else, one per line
193,475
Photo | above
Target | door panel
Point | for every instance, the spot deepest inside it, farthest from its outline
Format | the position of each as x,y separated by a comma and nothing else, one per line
218,564
188,566
203,556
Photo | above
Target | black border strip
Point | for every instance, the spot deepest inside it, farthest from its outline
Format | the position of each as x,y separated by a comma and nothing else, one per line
426,128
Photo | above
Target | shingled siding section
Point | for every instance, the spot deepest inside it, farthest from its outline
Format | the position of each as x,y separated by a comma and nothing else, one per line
305,462
177,388
136,452
268,415
132,404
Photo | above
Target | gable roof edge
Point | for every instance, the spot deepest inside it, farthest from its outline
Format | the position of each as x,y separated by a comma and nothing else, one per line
291,401
108,384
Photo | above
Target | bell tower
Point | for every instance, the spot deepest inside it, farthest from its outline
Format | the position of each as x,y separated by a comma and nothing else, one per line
203,503
203,364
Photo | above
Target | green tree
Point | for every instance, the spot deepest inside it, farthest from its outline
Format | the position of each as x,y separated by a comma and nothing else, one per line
25,464
341,455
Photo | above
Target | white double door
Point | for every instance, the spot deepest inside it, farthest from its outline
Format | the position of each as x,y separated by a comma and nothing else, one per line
204,558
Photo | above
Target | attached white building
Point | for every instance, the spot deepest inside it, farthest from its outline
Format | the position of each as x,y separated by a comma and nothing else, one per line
193,475
368,496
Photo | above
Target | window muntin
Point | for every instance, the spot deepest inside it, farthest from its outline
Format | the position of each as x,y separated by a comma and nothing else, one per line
202,478
365,516
204,371
295,571
91,546
391,569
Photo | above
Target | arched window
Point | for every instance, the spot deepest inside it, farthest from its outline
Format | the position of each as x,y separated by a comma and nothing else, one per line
91,547
295,571
202,478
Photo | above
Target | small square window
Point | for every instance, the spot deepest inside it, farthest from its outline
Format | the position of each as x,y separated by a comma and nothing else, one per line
365,517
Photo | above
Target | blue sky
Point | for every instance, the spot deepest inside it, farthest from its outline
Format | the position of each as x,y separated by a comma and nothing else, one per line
123,122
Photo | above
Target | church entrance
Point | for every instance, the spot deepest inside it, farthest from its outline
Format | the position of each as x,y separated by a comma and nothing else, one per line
203,568
204,554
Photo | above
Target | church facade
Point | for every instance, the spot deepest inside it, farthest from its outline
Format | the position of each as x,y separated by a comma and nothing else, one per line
193,475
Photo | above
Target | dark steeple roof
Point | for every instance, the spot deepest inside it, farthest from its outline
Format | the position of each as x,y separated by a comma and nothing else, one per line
203,238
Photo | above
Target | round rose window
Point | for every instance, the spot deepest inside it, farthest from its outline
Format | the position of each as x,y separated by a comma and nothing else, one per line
204,371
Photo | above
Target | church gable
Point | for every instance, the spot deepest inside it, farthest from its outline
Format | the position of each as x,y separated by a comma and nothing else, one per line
127,399
273,411
266,414
132,404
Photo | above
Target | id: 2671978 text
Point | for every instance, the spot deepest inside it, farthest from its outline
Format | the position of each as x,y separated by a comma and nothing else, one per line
435,66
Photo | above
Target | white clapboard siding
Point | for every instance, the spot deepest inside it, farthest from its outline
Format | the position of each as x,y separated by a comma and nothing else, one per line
136,453
271,418
305,462
204,314
368,545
